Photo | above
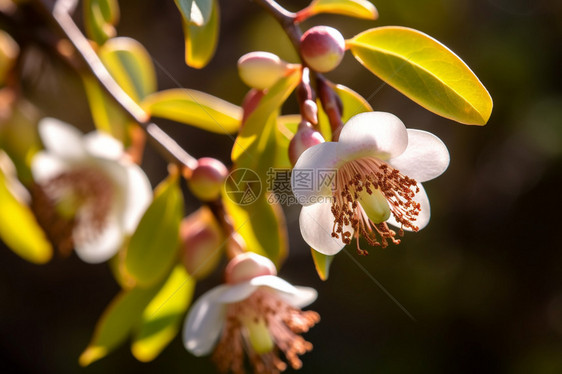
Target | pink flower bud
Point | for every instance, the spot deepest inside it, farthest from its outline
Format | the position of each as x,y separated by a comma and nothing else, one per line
246,266
261,69
202,242
207,179
322,48
304,138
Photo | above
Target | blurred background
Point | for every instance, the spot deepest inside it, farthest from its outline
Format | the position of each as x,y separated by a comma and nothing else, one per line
483,282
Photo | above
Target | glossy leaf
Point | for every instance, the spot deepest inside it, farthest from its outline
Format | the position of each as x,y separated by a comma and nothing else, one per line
253,129
201,40
354,8
19,229
322,263
195,108
262,226
353,104
153,247
197,12
286,128
424,70
117,322
161,319
100,17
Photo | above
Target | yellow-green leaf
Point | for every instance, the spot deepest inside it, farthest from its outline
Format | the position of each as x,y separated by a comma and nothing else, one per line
162,317
267,108
261,224
197,12
100,18
286,128
424,70
322,263
354,8
153,247
116,323
201,40
195,108
19,229
353,104
130,65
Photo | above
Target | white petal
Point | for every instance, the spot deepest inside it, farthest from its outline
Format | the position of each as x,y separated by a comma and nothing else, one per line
378,134
204,322
303,297
103,246
45,166
103,145
61,139
236,292
295,296
137,198
316,223
274,282
306,178
425,158
425,210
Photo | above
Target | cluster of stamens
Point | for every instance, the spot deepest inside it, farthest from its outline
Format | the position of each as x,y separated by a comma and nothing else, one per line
372,175
91,193
284,324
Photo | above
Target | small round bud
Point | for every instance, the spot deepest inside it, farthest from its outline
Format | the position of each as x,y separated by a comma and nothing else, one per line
310,111
261,69
201,241
207,179
304,138
246,266
322,48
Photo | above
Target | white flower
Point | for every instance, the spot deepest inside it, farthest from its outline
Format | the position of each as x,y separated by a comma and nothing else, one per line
254,312
89,195
379,166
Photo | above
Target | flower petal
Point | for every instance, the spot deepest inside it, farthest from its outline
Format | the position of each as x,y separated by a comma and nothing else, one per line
204,322
101,247
378,134
305,175
425,158
425,210
303,297
137,198
316,223
102,145
45,166
295,296
61,139
237,292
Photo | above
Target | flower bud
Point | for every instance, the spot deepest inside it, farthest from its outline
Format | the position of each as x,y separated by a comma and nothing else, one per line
207,179
309,111
201,241
248,265
304,138
261,69
322,48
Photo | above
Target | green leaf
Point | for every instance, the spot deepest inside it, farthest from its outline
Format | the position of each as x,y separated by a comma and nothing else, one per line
116,323
424,70
161,319
19,229
201,40
250,142
197,12
100,17
261,224
352,102
153,247
286,128
354,8
130,65
195,108
322,263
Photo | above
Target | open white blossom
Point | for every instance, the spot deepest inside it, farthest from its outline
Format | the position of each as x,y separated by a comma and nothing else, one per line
379,166
89,196
256,313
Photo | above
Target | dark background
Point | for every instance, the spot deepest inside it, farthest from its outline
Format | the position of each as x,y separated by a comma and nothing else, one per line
483,281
